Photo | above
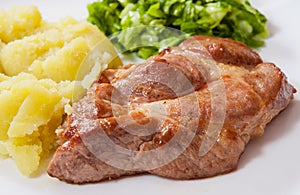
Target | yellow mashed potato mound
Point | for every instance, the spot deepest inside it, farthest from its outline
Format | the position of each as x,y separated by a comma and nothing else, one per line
31,110
39,61
54,51
18,22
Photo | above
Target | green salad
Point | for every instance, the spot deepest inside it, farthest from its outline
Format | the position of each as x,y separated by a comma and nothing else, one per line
125,21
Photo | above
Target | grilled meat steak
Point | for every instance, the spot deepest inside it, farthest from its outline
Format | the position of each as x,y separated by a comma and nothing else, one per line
186,113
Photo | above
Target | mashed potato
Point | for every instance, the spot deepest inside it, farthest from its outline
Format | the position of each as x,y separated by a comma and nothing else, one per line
31,110
54,51
1,46
18,22
39,62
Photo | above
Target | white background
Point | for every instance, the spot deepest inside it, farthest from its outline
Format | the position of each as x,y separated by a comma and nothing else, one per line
270,164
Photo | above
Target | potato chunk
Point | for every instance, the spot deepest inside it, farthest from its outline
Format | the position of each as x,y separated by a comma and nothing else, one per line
62,65
18,55
31,110
21,156
18,22
1,69
36,110
50,49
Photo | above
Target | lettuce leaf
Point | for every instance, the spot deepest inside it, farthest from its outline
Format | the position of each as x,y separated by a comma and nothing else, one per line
235,19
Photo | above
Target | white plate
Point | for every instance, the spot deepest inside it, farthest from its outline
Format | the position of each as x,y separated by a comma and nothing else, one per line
270,164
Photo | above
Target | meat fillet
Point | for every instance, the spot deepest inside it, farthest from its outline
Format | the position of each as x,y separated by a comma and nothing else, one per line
186,113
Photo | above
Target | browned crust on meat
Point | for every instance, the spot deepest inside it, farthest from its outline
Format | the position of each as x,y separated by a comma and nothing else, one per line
255,93
224,50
